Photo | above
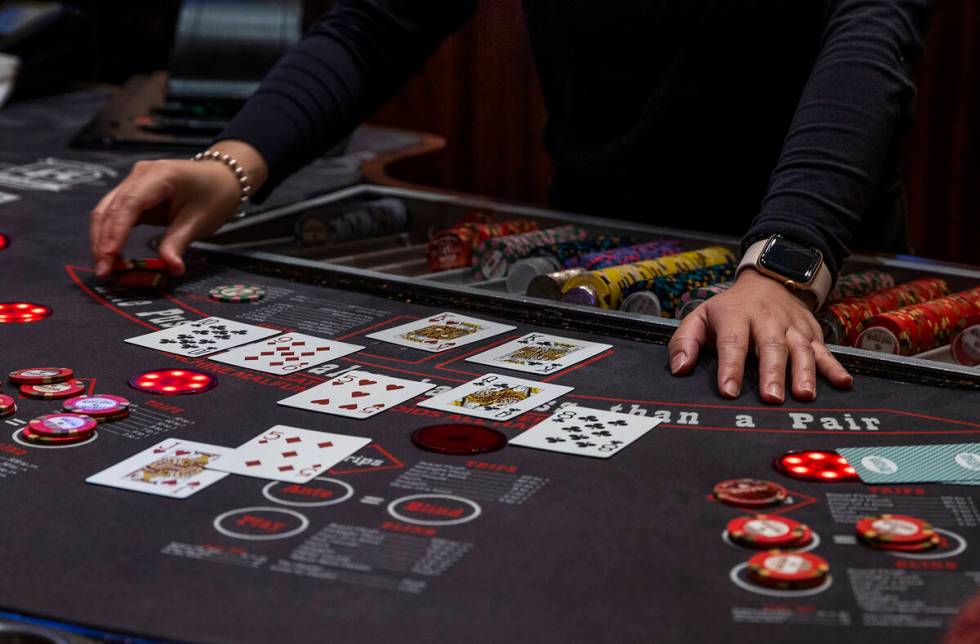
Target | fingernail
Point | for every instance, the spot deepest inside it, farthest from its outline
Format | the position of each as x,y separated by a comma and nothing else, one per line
808,390
101,268
730,388
775,391
678,361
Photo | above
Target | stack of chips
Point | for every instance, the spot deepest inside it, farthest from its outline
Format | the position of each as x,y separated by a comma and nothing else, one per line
788,570
896,533
59,429
139,273
693,299
627,254
919,327
493,257
663,296
843,321
965,345
370,219
453,248
769,531
103,408
551,258
604,288
8,406
857,284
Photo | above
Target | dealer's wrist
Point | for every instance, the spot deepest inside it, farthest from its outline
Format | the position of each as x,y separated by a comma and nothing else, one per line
796,266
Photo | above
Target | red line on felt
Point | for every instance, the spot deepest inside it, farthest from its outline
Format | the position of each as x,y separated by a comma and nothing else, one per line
101,300
374,326
796,506
605,354
185,305
413,373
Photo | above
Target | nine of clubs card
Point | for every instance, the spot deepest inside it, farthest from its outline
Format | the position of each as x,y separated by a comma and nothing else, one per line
202,337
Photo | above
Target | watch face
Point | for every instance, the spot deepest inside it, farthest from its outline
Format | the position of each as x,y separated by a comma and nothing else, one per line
790,260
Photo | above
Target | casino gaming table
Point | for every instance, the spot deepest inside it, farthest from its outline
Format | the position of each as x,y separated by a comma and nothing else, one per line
515,545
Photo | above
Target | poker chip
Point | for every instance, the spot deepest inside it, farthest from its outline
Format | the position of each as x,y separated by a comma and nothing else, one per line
788,570
749,493
693,299
453,247
927,544
607,258
4,241
8,406
97,406
237,293
894,529
375,218
23,312
173,382
492,258
33,437
459,439
551,258
145,264
663,296
861,283
550,286
41,375
63,425
815,465
604,288
766,531
965,345
54,391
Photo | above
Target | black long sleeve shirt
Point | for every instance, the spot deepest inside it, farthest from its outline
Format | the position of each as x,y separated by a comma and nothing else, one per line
744,117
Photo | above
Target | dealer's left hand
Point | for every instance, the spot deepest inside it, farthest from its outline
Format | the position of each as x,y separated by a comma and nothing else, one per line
758,312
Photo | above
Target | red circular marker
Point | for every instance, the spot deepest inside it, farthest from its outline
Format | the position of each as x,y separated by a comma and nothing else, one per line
815,465
23,312
4,241
459,439
173,382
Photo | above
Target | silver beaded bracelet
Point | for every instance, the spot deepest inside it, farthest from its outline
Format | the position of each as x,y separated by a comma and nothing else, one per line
244,184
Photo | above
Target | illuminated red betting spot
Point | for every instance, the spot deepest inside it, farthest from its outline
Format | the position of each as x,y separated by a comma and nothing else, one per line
815,465
23,312
173,382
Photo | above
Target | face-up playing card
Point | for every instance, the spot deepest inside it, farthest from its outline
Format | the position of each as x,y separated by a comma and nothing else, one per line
290,454
586,432
952,463
286,353
496,397
357,394
539,353
174,468
441,332
201,337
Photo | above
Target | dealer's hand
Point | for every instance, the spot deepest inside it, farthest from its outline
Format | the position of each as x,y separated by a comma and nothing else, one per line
761,313
192,198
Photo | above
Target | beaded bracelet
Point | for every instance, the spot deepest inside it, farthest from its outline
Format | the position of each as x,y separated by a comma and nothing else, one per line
244,184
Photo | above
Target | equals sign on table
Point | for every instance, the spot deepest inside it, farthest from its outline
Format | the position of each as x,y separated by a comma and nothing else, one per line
372,500
16,422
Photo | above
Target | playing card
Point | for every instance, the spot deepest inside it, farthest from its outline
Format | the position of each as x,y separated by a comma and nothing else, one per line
201,337
286,353
951,463
539,353
441,332
174,468
290,454
586,432
496,397
357,394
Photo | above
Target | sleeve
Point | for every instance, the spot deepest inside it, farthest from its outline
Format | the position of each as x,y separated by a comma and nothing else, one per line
849,113
353,59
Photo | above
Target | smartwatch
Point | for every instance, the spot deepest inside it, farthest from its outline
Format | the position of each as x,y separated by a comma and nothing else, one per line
797,267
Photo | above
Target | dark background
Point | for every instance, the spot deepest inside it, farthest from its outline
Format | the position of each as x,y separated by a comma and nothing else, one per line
481,93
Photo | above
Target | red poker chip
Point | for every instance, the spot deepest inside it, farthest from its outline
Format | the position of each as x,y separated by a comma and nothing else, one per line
8,406
815,465
41,375
97,405
791,567
460,439
33,437
4,241
894,528
23,312
769,531
750,493
965,346
61,425
928,544
53,391
173,382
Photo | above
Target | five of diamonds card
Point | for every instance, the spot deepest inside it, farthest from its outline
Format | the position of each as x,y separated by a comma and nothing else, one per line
496,397
441,332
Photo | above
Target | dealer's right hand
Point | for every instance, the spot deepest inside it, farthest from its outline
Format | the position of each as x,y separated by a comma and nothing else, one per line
191,198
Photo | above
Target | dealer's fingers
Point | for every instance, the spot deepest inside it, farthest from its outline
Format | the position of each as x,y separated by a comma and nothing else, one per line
830,368
686,343
803,365
732,344
769,337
